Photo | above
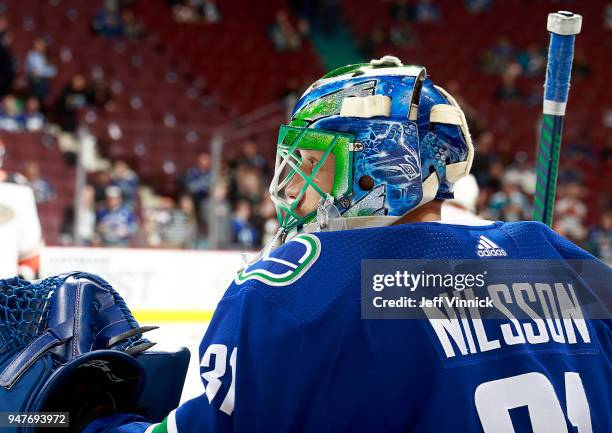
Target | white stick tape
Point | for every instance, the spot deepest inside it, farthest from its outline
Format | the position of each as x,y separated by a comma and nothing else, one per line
562,23
554,108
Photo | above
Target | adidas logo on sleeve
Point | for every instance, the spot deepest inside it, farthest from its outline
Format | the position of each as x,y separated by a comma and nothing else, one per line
487,248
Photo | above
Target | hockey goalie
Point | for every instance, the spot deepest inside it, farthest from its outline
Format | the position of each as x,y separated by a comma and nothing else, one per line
362,169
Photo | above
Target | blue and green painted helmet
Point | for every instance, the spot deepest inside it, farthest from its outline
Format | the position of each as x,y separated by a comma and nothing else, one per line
398,142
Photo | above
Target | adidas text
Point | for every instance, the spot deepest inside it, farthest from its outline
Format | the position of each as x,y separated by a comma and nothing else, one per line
490,253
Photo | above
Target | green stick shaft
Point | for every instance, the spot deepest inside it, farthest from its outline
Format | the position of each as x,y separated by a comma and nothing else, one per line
547,168
563,27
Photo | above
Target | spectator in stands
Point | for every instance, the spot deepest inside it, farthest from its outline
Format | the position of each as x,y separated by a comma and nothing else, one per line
34,120
532,60
184,11
100,92
505,151
285,37
11,117
85,226
133,29
495,60
74,96
570,212
100,182
508,90
155,218
569,172
248,174
476,6
249,185
509,204
216,211
608,17
39,69
107,21
115,223
403,36
7,68
210,11
580,147
43,192
600,237
251,157
197,181
521,173
127,181
86,223
265,222
181,228
495,174
243,232
303,28
426,11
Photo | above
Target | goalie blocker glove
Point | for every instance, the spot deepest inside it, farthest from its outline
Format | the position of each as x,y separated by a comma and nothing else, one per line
70,344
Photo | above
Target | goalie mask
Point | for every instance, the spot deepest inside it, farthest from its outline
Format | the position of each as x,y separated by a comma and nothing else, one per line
370,143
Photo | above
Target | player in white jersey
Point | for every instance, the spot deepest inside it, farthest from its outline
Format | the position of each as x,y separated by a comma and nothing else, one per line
20,233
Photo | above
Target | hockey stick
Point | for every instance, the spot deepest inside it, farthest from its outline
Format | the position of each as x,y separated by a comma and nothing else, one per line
563,27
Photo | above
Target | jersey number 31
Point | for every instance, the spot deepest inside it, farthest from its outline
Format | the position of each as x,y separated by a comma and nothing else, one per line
218,352
494,400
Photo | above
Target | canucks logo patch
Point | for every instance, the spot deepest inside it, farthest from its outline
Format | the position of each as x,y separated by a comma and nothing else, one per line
284,265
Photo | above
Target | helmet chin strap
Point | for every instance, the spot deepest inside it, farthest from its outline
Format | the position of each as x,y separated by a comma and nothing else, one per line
330,219
328,215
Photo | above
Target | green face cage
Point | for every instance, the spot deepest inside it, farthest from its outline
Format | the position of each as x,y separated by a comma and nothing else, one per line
291,140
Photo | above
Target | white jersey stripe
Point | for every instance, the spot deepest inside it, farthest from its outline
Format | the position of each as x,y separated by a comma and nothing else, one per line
151,427
483,242
483,245
487,242
172,428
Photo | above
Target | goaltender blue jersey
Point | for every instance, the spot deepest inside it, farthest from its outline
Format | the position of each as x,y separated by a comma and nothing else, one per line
288,350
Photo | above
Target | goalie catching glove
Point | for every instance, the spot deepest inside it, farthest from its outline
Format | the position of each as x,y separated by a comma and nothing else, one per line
70,344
